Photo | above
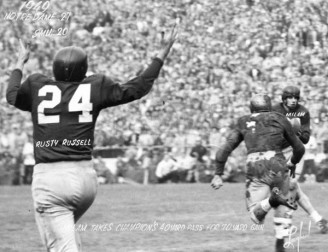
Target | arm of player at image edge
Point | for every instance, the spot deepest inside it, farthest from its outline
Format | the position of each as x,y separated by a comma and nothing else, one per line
139,86
232,142
17,74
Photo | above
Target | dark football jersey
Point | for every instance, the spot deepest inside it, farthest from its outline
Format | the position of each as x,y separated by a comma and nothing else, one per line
261,132
64,114
299,112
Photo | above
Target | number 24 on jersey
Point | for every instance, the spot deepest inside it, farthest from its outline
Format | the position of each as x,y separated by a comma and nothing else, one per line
80,101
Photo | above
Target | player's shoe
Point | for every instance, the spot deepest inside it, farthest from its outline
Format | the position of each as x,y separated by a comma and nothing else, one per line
277,198
322,225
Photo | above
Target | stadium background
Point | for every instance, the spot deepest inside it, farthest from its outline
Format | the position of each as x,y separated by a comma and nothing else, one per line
226,51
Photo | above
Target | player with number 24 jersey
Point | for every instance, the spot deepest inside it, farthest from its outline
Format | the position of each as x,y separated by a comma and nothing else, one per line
64,113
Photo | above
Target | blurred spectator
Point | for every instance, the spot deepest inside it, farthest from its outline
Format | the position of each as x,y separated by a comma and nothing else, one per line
166,170
145,138
186,166
146,164
28,160
216,137
4,141
16,139
199,150
103,173
322,136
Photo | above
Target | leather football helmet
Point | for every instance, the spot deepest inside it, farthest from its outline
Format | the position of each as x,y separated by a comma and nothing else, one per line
260,103
70,64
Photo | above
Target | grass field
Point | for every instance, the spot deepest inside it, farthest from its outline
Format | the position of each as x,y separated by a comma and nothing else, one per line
171,217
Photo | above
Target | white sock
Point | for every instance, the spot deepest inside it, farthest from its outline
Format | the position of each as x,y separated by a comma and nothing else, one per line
266,205
315,216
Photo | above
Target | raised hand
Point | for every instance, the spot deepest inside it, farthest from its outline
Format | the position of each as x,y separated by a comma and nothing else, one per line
23,54
166,44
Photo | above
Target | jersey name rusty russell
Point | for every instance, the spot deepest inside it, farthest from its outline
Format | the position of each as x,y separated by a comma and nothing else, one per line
64,142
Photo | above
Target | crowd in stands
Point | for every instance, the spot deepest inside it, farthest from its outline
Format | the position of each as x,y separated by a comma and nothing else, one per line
227,50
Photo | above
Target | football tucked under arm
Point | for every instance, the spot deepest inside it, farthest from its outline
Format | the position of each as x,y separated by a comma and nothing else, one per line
296,125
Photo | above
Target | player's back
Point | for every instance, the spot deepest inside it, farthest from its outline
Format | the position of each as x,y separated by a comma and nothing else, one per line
263,131
64,115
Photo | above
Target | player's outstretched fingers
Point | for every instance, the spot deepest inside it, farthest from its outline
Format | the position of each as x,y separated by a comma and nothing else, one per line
24,51
174,35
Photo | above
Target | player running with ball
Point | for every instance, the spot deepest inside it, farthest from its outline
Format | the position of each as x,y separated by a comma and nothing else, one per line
267,169
64,182
299,117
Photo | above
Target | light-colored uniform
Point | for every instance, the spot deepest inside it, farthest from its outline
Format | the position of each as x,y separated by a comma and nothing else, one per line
60,203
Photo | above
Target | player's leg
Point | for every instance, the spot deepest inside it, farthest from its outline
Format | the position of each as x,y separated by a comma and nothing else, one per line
283,219
86,189
303,200
84,197
307,206
305,203
260,199
257,196
62,193
54,219
282,215
56,228
267,186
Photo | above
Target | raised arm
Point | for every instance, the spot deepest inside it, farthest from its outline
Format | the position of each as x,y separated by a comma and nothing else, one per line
115,94
167,44
16,75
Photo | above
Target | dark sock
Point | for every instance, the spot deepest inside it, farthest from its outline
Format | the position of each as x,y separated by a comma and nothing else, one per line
273,202
280,245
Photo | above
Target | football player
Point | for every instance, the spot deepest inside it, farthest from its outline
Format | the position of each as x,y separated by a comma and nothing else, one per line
267,170
64,112
291,108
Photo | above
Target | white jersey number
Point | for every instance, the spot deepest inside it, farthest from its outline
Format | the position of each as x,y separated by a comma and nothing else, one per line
80,101
49,104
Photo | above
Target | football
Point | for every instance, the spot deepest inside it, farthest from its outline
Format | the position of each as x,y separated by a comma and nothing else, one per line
296,124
